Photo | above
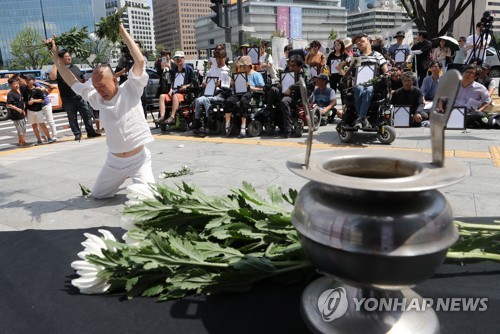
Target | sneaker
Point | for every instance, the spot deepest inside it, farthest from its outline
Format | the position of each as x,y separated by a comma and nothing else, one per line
50,140
365,123
39,142
78,137
242,134
54,139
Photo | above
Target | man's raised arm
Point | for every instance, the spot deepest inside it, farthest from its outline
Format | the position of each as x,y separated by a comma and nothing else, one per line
134,50
66,74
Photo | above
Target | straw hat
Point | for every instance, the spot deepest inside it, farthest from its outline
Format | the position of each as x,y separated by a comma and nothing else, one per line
347,42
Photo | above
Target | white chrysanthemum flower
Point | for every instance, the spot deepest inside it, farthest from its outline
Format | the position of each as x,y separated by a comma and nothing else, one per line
139,192
89,282
129,240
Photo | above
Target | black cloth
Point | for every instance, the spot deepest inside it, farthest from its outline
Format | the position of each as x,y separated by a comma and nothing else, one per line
35,94
335,77
36,296
64,89
188,76
423,59
412,97
16,100
485,82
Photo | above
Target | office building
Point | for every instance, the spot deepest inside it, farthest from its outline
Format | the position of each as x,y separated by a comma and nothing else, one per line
376,20
47,17
137,19
294,19
174,23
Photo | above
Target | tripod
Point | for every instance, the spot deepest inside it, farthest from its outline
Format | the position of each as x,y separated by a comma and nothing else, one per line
479,46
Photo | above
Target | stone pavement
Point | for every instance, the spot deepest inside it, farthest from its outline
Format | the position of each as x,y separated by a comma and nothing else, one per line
39,186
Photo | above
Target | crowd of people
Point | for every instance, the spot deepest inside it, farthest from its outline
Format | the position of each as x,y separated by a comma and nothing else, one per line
413,80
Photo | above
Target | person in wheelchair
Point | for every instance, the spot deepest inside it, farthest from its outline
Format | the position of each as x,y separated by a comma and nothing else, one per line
323,97
255,84
221,71
291,95
410,95
176,94
363,94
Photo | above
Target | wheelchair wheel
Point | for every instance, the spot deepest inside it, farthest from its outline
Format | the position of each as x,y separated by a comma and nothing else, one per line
254,128
183,124
269,127
214,126
316,119
387,136
345,136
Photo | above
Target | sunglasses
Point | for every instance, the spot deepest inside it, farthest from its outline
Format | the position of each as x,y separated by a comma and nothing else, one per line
177,58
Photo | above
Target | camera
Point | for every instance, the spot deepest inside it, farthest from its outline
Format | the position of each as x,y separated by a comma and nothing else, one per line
487,20
128,61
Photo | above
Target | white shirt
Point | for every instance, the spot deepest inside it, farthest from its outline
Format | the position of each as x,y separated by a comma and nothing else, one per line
122,116
222,73
480,49
270,67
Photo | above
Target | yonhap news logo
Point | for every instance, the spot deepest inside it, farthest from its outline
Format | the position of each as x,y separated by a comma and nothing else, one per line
333,304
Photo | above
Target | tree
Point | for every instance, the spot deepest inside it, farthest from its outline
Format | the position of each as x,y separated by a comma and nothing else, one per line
98,51
333,35
26,52
428,18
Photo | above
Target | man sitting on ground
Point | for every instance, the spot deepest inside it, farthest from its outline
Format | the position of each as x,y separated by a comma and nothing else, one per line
324,97
412,96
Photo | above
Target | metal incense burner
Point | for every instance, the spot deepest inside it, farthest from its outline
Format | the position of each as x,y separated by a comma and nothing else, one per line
374,224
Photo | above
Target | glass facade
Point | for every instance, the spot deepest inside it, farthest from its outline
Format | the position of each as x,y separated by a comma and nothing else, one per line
57,16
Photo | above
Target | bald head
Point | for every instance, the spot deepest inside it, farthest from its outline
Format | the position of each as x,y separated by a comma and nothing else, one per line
104,82
102,71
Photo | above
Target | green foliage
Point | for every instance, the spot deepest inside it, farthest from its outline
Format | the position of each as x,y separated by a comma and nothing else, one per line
25,57
109,27
74,40
333,35
187,242
190,242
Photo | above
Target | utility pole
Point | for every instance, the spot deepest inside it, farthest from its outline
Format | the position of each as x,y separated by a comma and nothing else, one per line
227,20
240,22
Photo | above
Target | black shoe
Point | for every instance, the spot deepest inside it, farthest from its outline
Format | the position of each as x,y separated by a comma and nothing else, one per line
286,134
361,122
93,135
78,137
195,125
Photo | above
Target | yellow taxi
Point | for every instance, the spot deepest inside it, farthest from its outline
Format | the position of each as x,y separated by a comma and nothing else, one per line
54,96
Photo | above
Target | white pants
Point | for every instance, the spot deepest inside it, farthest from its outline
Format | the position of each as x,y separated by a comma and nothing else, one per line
47,112
116,170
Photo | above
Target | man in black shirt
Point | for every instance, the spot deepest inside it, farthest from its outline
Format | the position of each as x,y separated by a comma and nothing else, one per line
412,96
73,103
423,58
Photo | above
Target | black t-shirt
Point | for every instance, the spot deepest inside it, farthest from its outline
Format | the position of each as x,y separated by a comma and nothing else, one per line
35,94
332,56
413,97
17,100
64,89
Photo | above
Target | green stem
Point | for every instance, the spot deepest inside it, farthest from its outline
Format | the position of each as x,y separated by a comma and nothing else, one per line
490,227
473,255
